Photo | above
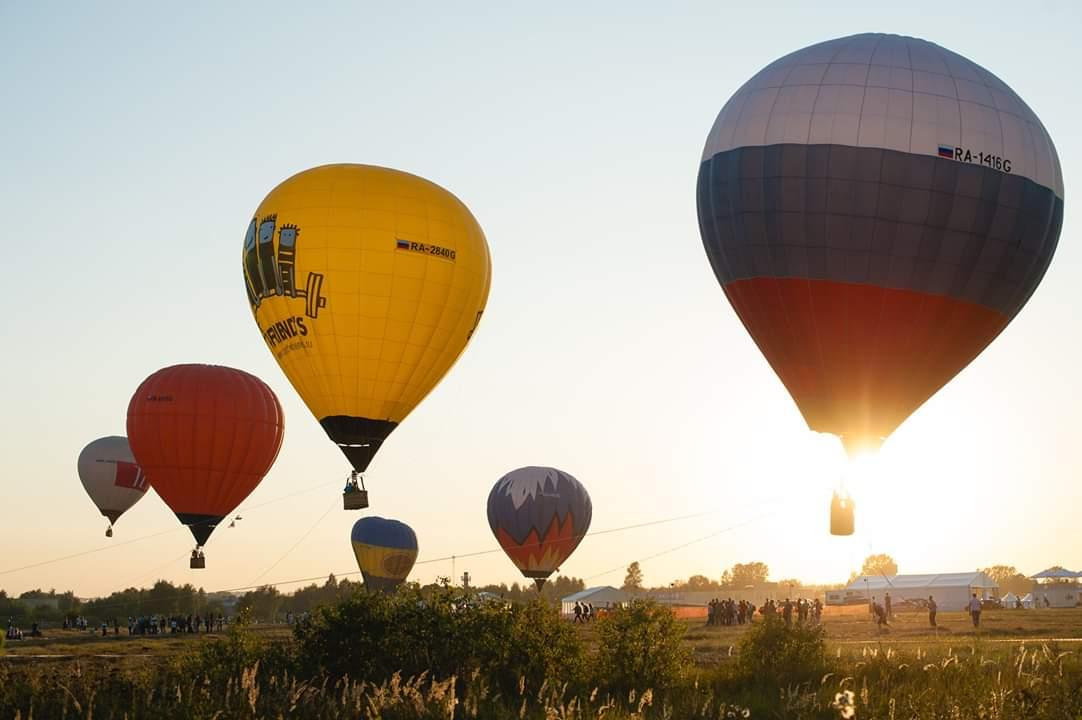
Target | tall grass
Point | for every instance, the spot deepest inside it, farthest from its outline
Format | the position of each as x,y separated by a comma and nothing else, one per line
1026,683
780,672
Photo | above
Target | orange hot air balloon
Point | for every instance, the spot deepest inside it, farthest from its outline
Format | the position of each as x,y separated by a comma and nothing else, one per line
205,436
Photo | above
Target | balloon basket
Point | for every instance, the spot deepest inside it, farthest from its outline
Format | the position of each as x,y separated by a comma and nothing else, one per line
198,563
355,499
109,532
842,520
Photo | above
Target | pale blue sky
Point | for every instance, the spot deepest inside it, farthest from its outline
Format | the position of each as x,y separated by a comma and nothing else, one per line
137,139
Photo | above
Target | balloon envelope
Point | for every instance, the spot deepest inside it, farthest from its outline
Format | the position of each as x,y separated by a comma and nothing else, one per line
539,515
385,551
205,436
366,283
111,476
877,209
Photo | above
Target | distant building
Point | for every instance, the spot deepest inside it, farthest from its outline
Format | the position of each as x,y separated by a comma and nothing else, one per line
1056,588
603,597
951,590
684,603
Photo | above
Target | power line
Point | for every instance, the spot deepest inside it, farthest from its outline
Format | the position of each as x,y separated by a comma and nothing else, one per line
478,553
113,546
313,488
302,538
687,544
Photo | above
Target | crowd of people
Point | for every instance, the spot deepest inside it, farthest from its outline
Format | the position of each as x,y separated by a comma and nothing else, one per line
732,612
728,612
14,632
161,624
142,625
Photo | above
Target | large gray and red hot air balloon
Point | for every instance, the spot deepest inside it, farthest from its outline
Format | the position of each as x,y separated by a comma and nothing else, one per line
539,515
877,209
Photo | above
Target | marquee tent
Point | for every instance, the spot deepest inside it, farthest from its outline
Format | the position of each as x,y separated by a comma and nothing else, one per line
602,596
950,590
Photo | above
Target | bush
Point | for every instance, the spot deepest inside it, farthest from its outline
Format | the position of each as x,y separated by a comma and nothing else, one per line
444,633
640,647
221,660
775,653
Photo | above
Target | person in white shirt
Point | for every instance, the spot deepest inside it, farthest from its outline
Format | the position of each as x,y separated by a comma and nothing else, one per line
975,610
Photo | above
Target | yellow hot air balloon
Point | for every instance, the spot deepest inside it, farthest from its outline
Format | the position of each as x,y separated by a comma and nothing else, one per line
366,284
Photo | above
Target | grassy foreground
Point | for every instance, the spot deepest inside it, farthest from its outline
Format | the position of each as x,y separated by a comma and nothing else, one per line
1011,669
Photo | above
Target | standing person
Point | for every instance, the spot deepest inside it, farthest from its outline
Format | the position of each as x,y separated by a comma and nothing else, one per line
975,610
887,607
578,612
881,617
932,607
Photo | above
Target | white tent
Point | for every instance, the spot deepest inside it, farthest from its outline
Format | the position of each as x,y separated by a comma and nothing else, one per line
1009,600
1060,588
1027,600
951,590
603,596
1056,574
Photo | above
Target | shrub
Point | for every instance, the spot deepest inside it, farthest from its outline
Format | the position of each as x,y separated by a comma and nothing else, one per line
443,633
776,653
221,660
640,647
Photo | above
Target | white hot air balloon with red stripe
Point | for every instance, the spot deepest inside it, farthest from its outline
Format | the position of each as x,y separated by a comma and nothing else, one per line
111,477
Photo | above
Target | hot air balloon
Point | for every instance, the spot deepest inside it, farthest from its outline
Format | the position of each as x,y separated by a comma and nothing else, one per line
877,209
111,477
366,284
385,550
539,515
205,436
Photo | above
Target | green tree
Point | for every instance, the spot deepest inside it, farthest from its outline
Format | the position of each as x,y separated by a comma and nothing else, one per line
641,646
697,583
442,631
633,579
881,564
263,603
1009,579
773,653
561,587
752,573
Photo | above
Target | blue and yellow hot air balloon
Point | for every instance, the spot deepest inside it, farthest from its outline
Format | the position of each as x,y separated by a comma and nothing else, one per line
386,550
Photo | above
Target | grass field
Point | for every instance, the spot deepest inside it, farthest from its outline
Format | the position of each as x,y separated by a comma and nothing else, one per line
848,628
1019,664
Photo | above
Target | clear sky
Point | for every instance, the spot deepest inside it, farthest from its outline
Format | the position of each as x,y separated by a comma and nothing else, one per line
136,140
